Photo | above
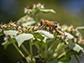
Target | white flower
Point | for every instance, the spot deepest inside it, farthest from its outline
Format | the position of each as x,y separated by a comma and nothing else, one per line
4,43
6,38
45,38
23,37
77,47
10,32
19,27
46,33
69,36
28,23
34,6
0,30
39,4
47,10
29,10
42,6
31,19
64,27
24,28
39,39
25,10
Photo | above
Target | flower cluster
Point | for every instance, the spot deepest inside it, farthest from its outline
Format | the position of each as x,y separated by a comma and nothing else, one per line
72,30
33,8
62,38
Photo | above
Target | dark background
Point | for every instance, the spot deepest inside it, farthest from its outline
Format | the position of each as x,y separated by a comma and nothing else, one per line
70,12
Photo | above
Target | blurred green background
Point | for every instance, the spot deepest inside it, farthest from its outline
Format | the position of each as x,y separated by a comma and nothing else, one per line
70,12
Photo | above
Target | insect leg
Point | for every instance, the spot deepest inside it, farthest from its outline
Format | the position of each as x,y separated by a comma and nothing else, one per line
49,28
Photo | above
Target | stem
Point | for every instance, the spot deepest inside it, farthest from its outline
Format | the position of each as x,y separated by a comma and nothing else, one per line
35,18
11,40
18,49
25,49
31,51
63,53
37,46
45,48
59,56
41,49
77,58
48,50
55,46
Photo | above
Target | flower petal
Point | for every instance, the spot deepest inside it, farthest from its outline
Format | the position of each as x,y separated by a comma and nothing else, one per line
28,23
76,47
10,32
69,36
23,37
46,33
47,10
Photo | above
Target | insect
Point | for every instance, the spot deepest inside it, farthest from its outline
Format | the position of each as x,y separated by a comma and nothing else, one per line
46,23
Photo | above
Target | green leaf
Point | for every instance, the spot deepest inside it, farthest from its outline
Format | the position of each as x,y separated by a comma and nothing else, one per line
65,59
1,33
45,33
82,28
38,36
5,44
23,37
41,43
77,47
47,10
10,32
37,42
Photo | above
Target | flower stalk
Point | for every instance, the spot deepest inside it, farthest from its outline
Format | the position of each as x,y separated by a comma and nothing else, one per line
18,50
47,50
25,49
31,51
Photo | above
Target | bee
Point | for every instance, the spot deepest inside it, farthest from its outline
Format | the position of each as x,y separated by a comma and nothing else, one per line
46,23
